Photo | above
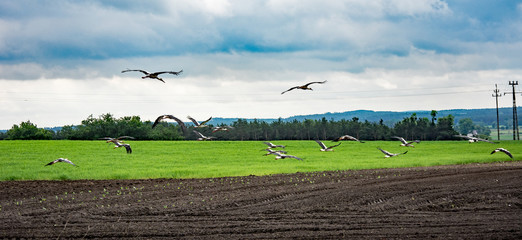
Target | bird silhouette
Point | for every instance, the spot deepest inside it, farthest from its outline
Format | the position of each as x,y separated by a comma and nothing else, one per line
65,160
199,124
405,143
389,154
324,148
167,116
153,75
203,137
347,137
303,87
502,150
283,156
271,145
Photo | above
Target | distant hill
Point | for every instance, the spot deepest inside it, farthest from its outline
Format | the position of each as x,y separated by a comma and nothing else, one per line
485,116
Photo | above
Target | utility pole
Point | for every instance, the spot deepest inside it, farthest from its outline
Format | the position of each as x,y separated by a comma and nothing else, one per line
516,135
496,95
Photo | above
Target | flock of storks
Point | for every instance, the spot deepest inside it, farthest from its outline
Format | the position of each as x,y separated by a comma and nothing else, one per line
280,154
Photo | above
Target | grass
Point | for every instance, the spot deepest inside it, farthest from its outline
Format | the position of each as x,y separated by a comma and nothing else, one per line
25,160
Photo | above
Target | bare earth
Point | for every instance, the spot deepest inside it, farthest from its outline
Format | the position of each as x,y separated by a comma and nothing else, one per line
466,201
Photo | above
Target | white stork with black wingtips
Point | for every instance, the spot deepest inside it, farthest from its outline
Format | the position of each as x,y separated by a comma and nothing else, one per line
65,160
405,143
167,116
199,124
283,156
324,148
347,137
389,154
502,150
203,137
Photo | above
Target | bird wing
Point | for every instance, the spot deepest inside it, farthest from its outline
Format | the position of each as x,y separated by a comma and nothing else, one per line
334,146
52,162
504,151
124,137
106,138
290,89
128,148
269,144
199,134
171,72
290,156
463,136
321,144
180,123
193,120
400,139
484,140
306,85
158,119
135,70
68,161
385,152
206,121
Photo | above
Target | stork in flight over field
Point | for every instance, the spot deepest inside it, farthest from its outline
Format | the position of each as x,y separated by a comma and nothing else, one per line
221,128
502,150
65,160
389,154
203,137
167,116
472,139
153,75
271,145
347,137
199,124
405,143
303,87
324,148
283,156
125,145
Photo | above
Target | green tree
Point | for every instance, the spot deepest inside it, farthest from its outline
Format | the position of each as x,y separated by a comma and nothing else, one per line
28,131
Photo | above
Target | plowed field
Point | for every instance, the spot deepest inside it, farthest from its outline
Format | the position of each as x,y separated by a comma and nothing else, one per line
464,201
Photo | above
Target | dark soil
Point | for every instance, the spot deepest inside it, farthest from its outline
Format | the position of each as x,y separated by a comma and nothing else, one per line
465,201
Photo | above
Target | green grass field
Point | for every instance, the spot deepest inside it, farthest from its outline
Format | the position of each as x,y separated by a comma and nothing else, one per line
25,160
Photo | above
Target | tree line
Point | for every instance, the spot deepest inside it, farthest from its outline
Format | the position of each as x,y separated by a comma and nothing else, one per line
106,125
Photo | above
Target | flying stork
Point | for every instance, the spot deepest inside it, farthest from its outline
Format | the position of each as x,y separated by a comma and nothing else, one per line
502,150
472,139
303,87
347,137
152,75
283,156
389,154
125,145
158,119
405,143
65,160
199,124
203,137
324,148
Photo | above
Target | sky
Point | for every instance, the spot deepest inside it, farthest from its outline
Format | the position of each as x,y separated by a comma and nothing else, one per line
61,61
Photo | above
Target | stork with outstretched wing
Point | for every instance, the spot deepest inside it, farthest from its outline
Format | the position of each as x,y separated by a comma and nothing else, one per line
153,75
303,87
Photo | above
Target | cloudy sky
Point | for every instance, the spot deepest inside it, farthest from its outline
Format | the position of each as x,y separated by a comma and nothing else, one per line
61,61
